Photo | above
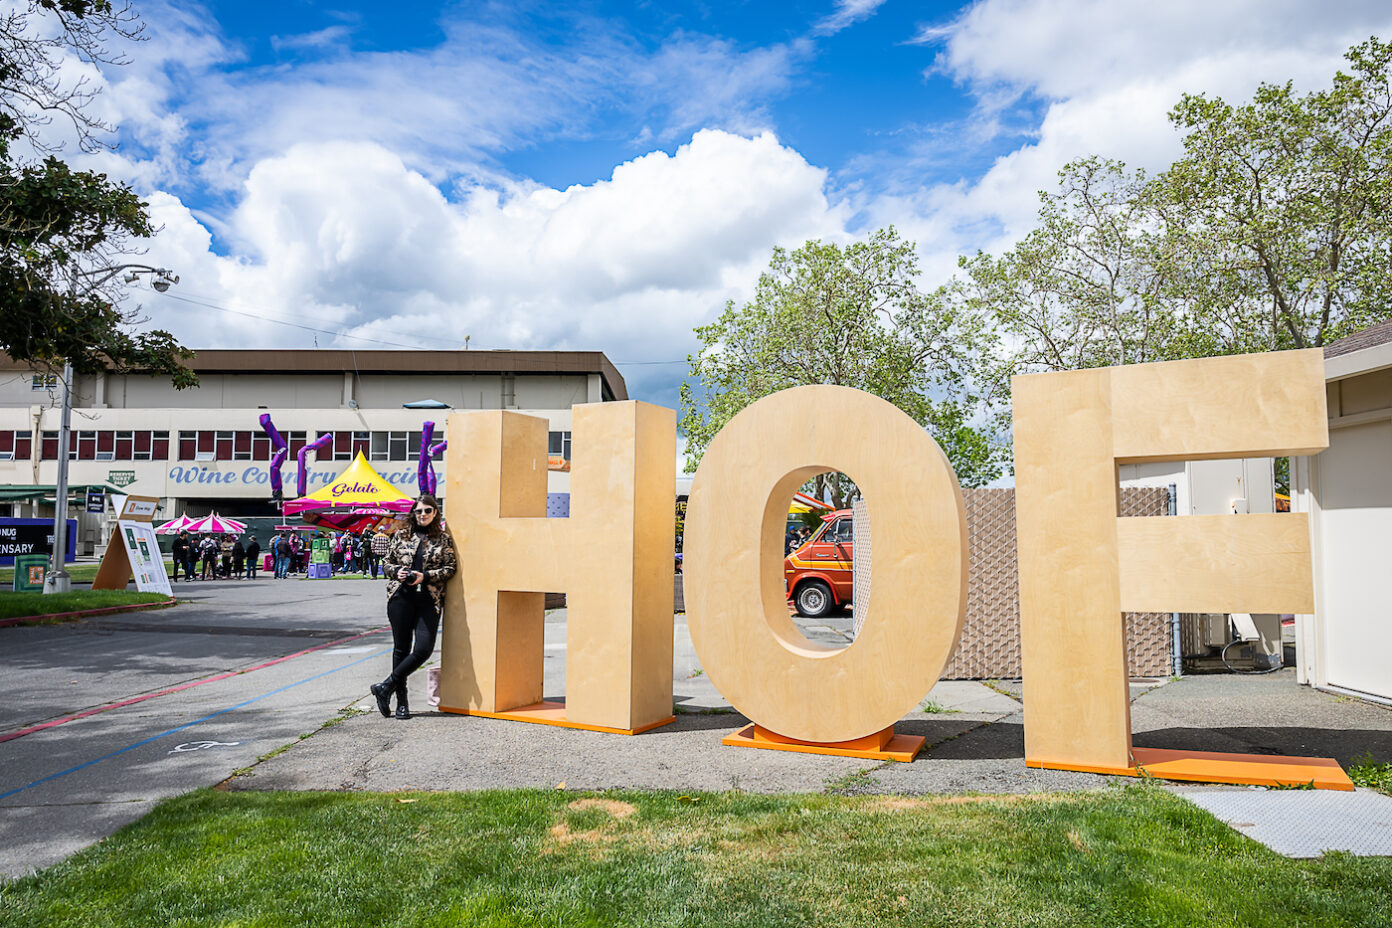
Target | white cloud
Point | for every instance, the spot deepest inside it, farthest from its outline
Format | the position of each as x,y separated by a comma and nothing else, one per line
488,88
1103,75
346,235
847,13
331,171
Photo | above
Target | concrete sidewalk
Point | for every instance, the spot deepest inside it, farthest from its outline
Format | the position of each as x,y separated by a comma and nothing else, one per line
975,740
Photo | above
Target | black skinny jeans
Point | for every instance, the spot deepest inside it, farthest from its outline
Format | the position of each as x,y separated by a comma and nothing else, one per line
411,615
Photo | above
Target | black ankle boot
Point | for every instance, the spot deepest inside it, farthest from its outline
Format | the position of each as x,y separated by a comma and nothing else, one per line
403,711
383,692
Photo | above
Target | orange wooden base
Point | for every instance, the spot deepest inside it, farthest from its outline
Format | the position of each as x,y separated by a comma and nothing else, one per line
882,745
553,713
1210,767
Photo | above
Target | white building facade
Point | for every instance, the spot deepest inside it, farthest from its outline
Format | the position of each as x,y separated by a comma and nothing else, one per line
203,448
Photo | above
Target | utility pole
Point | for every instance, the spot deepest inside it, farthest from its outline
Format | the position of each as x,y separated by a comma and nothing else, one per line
57,579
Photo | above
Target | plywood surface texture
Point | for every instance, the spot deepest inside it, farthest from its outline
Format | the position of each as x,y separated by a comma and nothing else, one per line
612,557
734,588
1080,565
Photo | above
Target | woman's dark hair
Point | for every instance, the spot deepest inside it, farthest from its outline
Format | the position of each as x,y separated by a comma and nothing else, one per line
434,527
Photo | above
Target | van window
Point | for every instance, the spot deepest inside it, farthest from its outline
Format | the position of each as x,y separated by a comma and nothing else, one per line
842,532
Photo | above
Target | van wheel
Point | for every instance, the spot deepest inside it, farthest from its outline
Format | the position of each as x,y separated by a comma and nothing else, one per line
813,599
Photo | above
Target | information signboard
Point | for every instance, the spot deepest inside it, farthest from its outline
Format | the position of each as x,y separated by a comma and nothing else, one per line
96,501
146,560
26,539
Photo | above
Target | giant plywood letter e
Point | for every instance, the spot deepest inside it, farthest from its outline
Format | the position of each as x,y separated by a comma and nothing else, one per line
1081,566
612,558
733,564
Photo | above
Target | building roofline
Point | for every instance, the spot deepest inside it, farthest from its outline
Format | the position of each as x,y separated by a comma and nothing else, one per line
1360,353
333,360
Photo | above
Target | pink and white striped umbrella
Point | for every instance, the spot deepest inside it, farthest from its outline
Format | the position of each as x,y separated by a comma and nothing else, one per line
174,526
216,525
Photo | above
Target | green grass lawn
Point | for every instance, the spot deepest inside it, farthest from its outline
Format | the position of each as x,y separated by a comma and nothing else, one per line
79,573
14,605
1135,856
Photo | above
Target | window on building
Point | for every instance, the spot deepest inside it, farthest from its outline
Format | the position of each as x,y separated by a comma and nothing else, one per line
558,444
223,444
106,446
7,446
44,382
207,443
49,446
85,448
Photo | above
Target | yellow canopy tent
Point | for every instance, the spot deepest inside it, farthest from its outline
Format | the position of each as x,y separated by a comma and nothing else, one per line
356,498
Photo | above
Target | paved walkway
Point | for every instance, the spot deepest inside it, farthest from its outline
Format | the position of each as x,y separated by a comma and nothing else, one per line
974,732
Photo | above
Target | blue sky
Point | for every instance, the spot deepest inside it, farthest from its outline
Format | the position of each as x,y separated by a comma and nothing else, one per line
606,176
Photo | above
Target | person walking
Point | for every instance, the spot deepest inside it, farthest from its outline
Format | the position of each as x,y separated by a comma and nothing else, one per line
209,547
419,560
239,559
280,550
381,543
180,552
253,557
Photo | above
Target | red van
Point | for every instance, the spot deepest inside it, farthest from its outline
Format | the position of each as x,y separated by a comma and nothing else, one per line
819,574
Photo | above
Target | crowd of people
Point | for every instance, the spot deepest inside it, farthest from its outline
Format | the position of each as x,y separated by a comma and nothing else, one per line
348,552
794,538
216,557
239,557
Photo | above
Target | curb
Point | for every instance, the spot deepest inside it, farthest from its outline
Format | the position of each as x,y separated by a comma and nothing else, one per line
87,613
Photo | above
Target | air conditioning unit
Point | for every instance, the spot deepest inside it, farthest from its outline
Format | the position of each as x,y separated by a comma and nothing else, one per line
1213,630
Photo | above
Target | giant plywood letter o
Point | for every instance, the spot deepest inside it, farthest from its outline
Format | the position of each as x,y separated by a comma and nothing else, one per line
733,554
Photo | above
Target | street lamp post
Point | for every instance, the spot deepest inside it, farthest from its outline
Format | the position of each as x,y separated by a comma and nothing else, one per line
57,579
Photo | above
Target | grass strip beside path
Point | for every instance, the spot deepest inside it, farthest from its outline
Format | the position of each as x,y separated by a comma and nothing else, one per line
79,573
1127,856
16,605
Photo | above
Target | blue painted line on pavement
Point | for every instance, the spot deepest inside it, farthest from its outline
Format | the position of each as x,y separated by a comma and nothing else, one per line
187,725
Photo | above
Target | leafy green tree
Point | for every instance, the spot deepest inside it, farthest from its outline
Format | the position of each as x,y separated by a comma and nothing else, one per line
852,316
1278,211
1086,287
61,230
1269,233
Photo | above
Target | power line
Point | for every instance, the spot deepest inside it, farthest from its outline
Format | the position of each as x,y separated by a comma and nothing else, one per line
293,325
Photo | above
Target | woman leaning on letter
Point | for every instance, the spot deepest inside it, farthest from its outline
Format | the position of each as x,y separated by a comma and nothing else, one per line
418,561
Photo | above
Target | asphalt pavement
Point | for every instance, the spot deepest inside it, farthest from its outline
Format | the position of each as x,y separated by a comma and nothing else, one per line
235,671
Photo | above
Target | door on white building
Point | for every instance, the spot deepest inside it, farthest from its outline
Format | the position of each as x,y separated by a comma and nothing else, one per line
1355,476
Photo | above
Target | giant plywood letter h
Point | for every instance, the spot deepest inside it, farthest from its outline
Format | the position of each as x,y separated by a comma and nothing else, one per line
613,558
1081,566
